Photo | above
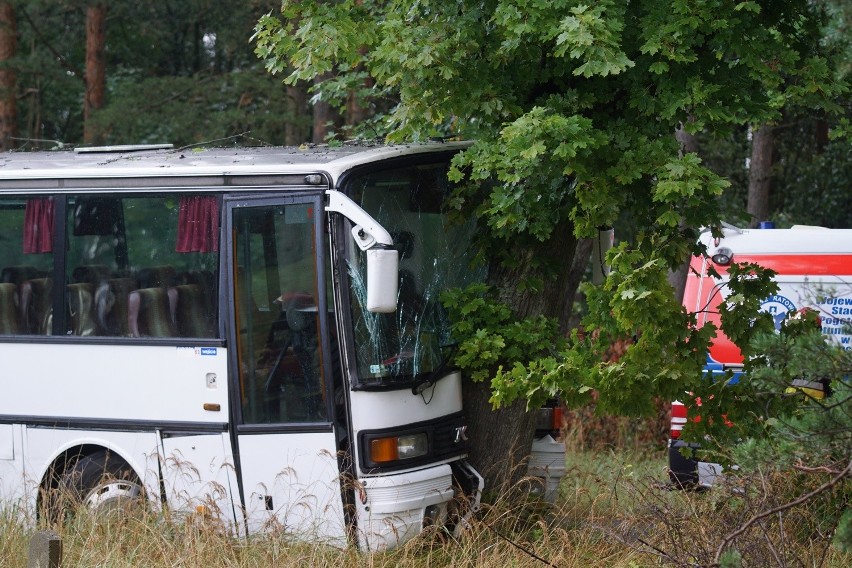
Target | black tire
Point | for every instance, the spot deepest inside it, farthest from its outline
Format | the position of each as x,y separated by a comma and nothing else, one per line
102,482
683,471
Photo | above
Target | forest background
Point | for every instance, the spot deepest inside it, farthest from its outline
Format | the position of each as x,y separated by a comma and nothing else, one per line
78,73
74,72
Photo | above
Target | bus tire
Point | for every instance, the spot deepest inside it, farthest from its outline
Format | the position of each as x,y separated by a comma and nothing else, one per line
102,482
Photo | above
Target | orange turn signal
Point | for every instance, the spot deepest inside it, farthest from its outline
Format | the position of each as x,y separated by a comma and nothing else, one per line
384,450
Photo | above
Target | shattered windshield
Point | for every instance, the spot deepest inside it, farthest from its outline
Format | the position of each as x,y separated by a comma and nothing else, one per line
410,345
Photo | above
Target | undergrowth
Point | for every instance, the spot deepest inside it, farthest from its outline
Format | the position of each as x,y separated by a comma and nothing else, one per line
614,509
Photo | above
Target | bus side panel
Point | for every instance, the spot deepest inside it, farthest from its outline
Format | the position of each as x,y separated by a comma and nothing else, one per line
199,476
11,464
117,397
148,384
291,481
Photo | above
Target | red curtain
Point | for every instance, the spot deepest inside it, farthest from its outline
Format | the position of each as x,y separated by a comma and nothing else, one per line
198,224
38,225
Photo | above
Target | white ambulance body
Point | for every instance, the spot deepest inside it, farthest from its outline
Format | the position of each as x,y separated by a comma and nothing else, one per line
814,270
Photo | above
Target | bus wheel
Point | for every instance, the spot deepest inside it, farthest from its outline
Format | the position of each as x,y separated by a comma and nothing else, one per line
103,483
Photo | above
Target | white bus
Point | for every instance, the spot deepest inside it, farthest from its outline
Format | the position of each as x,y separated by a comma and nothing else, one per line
252,334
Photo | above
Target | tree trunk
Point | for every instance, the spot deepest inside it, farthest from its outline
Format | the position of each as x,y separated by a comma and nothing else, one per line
296,129
568,320
95,71
760,174
325,117
557,293
355,111
677,277
8,80
501,439
821,134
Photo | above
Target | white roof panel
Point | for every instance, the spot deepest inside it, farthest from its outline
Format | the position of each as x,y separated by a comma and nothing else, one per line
125,163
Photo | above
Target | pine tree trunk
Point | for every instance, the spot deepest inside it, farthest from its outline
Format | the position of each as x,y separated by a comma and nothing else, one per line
296,129
8,79
355,111
325,117
821,134
760,174
95,97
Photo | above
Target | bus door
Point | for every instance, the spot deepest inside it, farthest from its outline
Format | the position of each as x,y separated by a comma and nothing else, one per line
280,370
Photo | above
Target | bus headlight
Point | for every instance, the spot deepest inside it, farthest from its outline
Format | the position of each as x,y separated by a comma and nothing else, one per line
394,448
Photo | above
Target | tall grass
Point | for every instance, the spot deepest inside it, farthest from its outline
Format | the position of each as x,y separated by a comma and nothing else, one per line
614,509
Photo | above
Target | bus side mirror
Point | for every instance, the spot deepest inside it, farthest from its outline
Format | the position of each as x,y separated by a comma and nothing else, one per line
377,244
382,279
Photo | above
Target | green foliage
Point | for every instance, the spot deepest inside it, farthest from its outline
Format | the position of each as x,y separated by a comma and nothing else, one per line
203,107
843,535
592,35
740,314
489,337
764,423
731,558
572,107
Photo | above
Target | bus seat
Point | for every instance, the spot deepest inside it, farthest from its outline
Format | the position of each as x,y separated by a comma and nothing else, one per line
9,309
19,274
81,305
206,279
157,277
150,312
37,306
192,317
111,305
92,273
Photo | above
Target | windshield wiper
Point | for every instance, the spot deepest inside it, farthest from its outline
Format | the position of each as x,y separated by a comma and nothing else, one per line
437,374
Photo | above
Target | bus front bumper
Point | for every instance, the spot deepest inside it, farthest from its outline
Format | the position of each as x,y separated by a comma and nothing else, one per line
393,509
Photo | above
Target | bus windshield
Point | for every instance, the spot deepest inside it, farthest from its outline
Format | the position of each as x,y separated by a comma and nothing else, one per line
401,349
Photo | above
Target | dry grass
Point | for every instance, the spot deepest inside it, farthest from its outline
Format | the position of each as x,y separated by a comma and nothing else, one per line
614,510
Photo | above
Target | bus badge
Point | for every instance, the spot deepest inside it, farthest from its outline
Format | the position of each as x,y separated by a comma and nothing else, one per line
461,434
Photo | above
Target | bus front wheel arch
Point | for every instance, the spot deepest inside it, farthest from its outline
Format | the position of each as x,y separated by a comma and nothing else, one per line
100,481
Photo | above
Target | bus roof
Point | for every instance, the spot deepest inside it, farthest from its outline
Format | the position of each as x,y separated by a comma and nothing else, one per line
128,162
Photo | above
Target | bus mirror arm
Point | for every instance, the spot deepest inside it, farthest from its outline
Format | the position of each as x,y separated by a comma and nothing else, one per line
367,232
376,242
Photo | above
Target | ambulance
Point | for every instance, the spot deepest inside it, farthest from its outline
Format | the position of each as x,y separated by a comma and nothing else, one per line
813,268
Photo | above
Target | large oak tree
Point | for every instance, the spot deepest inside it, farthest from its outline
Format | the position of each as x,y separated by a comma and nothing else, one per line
573,107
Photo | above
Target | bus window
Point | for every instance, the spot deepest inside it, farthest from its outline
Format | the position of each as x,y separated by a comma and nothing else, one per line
142,266
276,301
26,265
400,349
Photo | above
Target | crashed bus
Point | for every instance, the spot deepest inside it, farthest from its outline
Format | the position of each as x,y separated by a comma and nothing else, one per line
249,334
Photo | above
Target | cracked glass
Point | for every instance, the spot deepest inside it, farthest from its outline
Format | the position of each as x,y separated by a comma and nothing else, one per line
410,345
